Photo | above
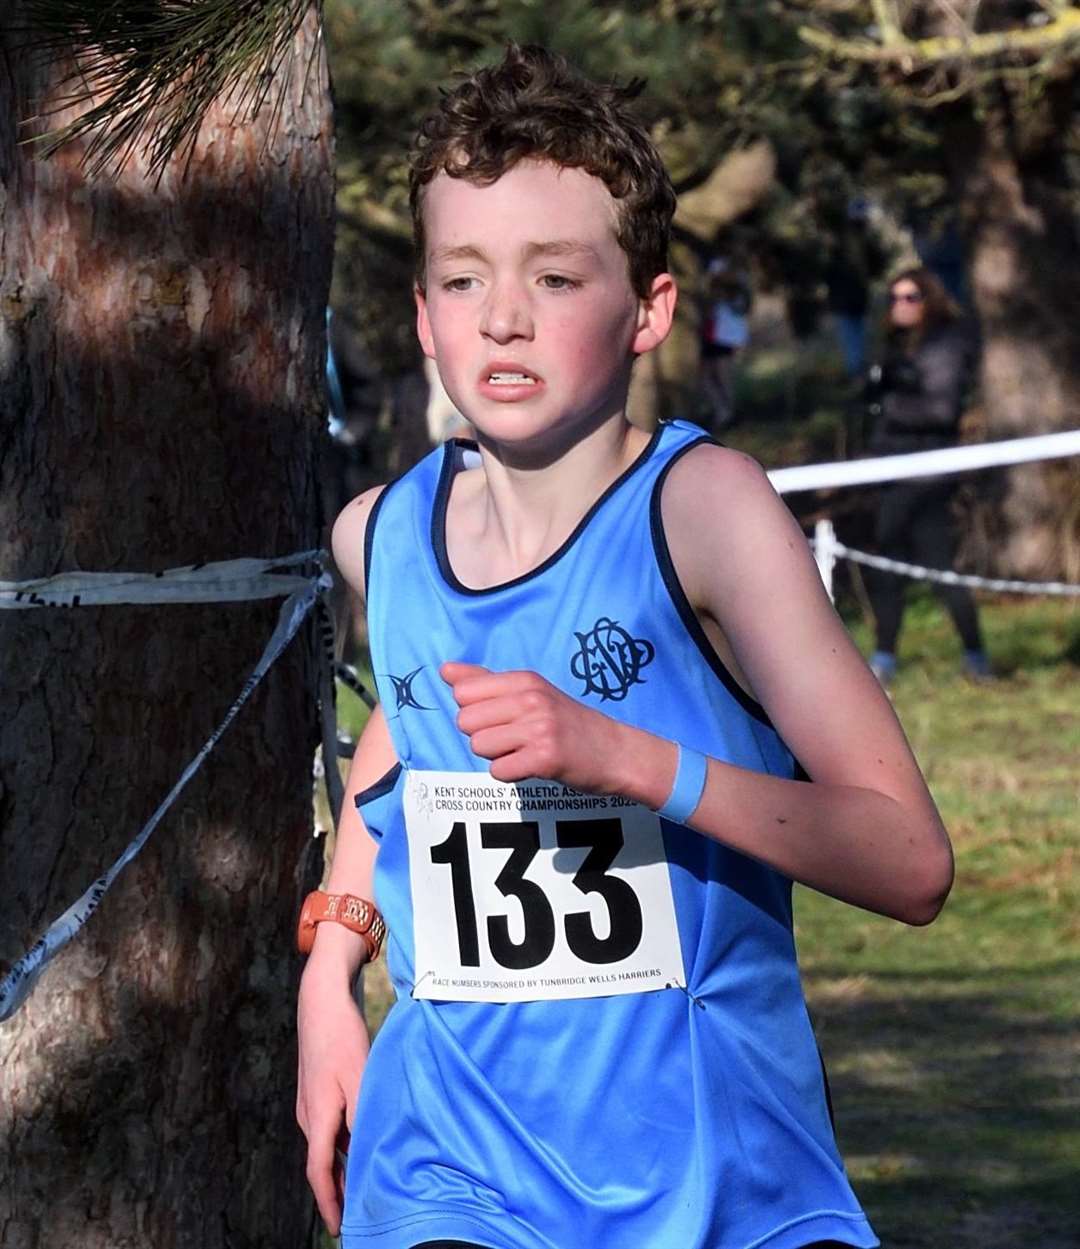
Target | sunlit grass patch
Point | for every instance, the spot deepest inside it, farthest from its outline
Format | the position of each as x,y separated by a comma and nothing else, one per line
954,1050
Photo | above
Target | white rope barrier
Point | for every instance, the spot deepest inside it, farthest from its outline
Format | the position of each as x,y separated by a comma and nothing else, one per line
948,577
226,581
925,463
827,549
243,580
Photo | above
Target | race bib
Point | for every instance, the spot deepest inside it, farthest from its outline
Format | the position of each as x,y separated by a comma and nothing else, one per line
531,891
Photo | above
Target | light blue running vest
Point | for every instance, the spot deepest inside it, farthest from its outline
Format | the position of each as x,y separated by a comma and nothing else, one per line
685,1118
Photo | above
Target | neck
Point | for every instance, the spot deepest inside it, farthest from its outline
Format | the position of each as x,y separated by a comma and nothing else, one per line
531,505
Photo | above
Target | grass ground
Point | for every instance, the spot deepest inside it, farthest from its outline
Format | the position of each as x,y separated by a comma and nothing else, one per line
954,1051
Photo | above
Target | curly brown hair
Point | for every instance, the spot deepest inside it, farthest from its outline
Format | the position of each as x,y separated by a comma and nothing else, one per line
938,306
534,106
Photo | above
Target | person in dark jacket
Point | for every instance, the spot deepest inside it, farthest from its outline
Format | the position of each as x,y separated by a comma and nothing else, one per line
852,260
917,392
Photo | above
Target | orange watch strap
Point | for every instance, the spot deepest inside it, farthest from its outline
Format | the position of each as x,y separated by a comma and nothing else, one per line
356,914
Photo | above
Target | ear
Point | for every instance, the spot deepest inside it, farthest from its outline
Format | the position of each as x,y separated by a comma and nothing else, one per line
656,311
423,324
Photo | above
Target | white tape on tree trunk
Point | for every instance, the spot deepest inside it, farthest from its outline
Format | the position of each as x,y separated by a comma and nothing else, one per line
24,974
227,581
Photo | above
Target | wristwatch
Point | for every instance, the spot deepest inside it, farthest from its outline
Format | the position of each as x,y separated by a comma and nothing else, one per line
357,914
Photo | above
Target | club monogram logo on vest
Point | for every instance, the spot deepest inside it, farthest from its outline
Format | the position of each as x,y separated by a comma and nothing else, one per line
609,660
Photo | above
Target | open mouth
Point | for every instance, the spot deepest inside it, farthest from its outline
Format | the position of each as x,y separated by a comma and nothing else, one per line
503,378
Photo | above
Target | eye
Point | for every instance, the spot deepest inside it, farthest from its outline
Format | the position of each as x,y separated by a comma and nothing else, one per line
458,284
559,282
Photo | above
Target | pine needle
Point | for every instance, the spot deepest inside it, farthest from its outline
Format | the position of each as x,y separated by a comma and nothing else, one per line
149,70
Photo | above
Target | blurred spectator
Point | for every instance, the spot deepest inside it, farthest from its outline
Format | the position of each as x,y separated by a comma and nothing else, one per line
854,259
725,331
941,248
916,394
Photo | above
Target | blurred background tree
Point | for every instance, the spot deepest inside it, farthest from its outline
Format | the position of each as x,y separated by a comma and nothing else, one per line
983,136
710,103
777,117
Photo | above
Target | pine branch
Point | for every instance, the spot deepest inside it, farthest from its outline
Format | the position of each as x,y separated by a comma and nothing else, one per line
146,72
1058,36
888,22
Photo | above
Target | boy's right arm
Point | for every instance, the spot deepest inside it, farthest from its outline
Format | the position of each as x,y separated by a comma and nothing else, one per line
333,1038
348,537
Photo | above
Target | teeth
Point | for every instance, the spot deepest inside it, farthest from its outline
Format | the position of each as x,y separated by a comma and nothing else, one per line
511,379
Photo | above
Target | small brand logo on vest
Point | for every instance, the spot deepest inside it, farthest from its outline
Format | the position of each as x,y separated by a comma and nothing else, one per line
403,691
610,660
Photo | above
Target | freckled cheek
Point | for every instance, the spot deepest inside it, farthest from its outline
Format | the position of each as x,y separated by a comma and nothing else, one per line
591,342
580,355
450,350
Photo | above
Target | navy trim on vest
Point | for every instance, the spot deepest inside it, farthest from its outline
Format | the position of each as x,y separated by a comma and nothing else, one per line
451,448
369,534
678,594
382,786
828,1091
442,497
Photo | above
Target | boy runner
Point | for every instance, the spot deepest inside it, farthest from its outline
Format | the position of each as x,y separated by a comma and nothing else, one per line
599,1039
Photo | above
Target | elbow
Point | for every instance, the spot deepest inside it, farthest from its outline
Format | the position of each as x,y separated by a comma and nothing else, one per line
929,887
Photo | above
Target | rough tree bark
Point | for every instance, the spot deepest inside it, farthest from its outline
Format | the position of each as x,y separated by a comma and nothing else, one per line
1006,91
1014,193
161,402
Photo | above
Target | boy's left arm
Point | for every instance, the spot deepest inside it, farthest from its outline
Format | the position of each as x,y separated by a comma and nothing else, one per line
866,829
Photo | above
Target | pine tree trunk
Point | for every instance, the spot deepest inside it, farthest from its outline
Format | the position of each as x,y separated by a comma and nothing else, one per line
1015,195
161,403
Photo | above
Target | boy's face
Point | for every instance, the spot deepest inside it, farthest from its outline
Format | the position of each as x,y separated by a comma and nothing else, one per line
529,312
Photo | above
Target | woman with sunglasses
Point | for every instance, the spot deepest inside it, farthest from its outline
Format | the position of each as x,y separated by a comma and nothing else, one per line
918,392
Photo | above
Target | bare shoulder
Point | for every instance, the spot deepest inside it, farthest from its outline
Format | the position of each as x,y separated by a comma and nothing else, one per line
745,564
710,460
349,534
722,516
708,476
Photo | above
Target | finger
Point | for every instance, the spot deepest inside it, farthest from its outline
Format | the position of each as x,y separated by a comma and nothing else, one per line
341,1155
490,712
474,687
339,1181
520,765
471,681
452,671
321,1164
504,739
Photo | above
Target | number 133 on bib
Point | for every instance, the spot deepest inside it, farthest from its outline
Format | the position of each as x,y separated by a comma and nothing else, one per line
532,891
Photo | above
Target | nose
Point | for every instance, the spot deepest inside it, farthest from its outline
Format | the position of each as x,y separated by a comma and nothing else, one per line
506,313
